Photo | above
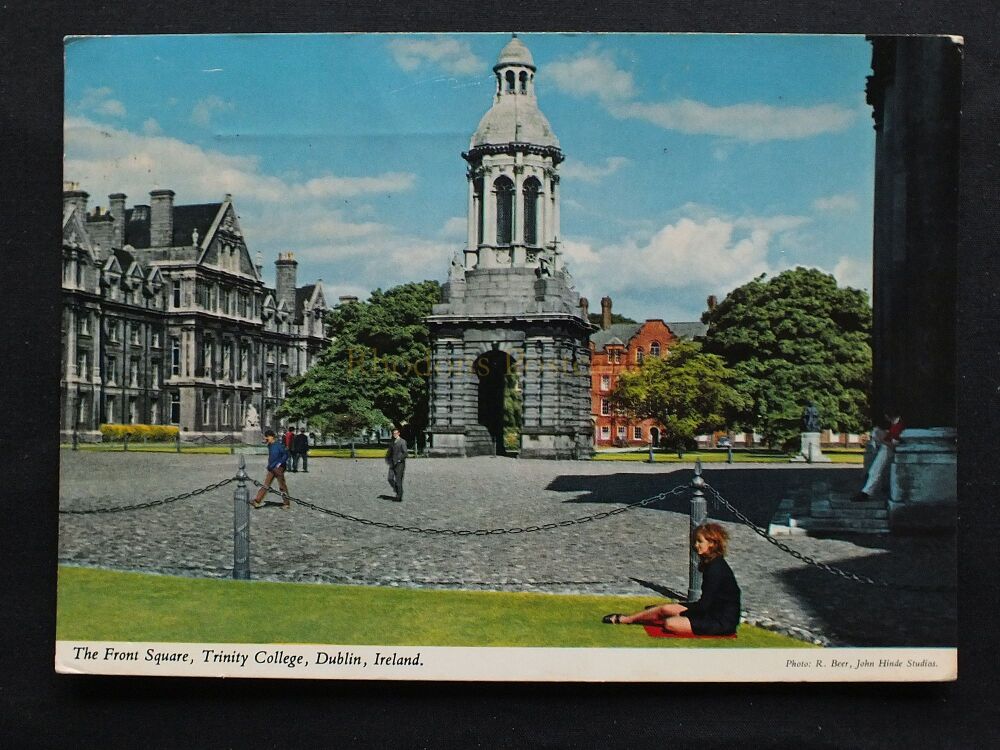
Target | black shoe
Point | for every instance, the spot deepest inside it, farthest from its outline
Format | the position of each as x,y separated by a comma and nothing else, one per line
861,497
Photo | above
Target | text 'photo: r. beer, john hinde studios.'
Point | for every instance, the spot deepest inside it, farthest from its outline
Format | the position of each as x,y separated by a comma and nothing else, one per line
548,357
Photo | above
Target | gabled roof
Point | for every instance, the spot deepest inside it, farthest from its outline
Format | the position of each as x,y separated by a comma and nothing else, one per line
187,218
75,231
198,216
688,329
616,334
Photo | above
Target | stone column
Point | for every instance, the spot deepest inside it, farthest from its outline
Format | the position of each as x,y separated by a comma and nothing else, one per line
915,92
70,372
473,223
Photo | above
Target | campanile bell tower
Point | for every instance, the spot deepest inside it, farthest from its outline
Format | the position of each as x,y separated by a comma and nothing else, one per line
510,329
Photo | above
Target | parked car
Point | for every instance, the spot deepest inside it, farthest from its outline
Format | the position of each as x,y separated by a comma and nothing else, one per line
724,442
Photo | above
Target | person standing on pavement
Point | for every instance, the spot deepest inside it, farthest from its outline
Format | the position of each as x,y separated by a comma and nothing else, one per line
289,440
277,459
300,451
395,457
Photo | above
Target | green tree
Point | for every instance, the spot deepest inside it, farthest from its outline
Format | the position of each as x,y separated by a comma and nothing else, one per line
793,339
376,368
687,391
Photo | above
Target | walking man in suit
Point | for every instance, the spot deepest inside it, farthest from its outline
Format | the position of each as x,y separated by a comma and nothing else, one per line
395,456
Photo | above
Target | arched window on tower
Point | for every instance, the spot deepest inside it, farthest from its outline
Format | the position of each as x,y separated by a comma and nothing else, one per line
524,82
532,188
510,81
505,210
477,186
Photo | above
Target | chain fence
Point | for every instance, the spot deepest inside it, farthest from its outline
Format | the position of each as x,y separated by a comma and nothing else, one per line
478,532
149,504
832,569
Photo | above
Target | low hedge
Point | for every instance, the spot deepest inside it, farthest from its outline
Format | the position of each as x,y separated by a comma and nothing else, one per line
151,433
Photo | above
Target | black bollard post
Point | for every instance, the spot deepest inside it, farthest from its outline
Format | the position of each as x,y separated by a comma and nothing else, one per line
232,444
76,440
125,442
729,454
651,458
354,453
177,442
699,512
241,524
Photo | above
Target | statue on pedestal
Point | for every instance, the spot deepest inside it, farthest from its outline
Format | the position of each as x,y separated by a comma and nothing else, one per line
810,418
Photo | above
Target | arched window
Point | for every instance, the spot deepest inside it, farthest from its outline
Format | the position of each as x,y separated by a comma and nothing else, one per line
532,188
524,82
510,81
477,186
505,209
654,349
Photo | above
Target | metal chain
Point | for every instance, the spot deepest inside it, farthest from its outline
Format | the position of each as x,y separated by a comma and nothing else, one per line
151,503
857,577
477,532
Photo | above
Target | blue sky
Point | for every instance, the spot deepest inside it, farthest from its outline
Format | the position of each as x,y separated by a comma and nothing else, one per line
693,162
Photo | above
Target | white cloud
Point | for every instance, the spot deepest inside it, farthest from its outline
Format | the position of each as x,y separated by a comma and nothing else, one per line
853,273
708,254
753,122
451,55
836,204
151,127
201,113
109,160
99,101
456,227
592,73
592,173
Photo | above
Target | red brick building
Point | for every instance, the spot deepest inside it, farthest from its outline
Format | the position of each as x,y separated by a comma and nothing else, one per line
616,348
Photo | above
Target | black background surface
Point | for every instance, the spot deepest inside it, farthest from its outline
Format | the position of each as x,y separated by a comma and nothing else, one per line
41,709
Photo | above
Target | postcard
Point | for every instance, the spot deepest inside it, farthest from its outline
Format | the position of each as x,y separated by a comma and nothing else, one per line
509,357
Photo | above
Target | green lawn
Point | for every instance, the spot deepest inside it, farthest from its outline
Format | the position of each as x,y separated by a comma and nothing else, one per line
103,605
716,457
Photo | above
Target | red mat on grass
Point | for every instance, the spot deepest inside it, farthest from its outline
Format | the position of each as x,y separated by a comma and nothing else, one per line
655,630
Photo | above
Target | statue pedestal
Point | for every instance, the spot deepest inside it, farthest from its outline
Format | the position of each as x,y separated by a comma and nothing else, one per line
810,450
923,485
252,436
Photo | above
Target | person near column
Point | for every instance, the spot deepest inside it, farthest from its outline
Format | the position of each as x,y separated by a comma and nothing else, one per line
277,459
300,451
886,437
395,457
717,611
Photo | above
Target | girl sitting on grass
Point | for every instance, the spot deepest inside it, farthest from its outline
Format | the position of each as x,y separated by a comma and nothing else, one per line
717,612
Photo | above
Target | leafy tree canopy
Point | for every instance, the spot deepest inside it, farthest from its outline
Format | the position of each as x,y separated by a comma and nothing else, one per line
794,339
595,318
687,391
375,370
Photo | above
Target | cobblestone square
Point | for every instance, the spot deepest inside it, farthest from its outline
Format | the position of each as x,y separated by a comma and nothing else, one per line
642,551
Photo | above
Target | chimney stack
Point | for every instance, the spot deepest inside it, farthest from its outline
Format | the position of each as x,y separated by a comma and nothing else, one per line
284,272
585,308
605,313
76,197
117,201
712,302
161,218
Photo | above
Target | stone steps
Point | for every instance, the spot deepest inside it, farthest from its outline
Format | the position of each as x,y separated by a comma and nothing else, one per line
829,514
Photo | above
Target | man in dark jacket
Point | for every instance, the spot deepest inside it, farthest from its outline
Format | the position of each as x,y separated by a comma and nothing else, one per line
300,450
395,456
277,459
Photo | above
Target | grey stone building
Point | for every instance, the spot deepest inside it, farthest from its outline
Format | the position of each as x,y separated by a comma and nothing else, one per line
166,319
510,318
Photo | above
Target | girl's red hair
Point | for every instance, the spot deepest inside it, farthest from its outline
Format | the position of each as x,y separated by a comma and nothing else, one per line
716,536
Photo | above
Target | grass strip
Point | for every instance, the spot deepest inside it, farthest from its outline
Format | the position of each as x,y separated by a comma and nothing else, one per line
105,605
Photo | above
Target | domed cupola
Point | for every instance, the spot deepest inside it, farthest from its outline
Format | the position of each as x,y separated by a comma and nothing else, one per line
513,173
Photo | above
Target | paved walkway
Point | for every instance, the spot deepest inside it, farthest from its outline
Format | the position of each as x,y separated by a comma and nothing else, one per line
640,552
